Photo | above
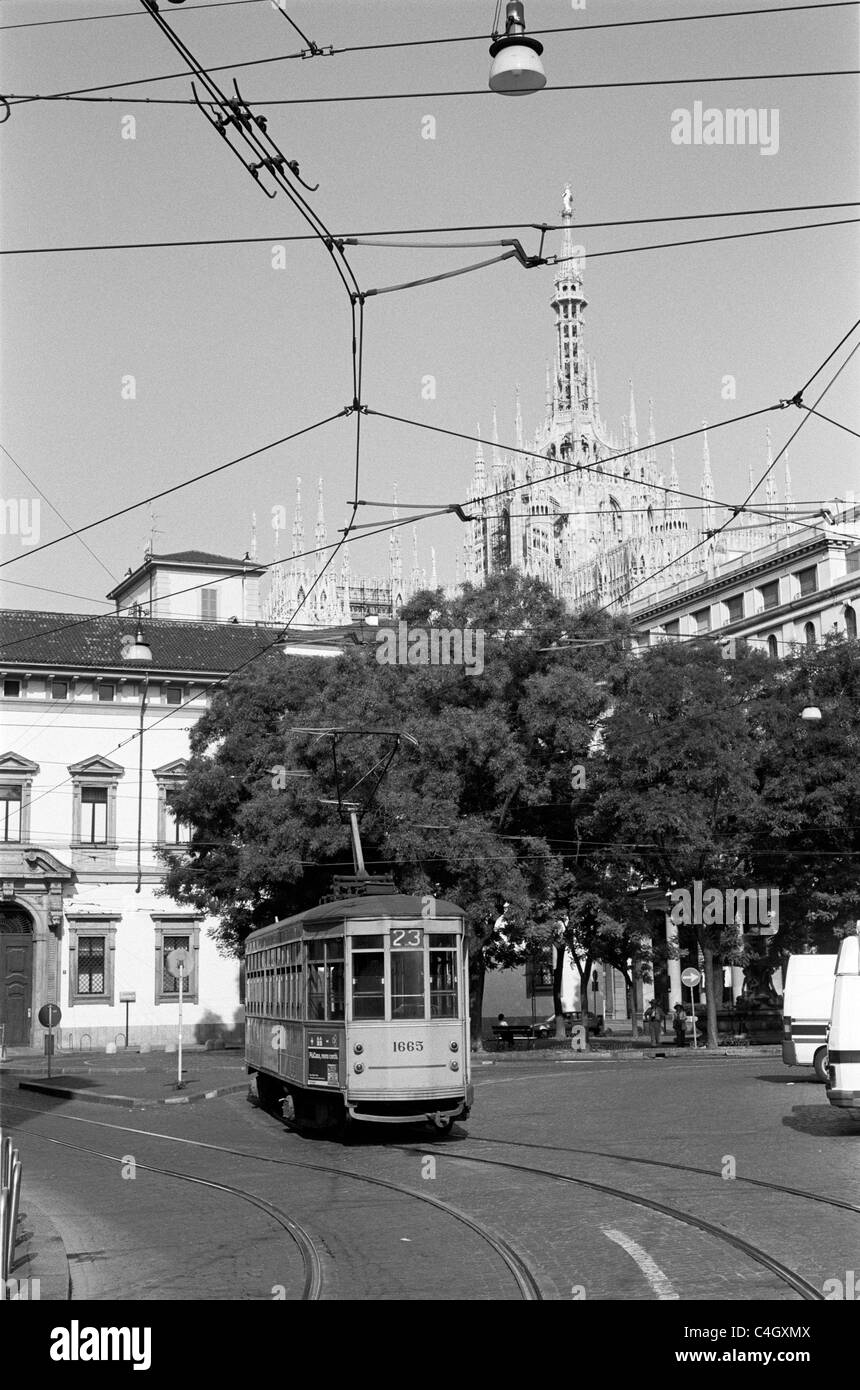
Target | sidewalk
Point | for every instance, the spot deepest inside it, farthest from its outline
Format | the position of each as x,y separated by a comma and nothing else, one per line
131,1079
622,1052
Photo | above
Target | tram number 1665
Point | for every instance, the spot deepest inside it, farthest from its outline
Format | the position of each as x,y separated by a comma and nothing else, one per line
402,1046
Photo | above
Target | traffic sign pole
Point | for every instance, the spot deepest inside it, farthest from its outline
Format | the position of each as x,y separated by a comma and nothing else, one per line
693,1012
179,1064
691,977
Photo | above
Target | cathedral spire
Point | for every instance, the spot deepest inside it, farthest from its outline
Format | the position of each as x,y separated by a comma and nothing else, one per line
631,418
568,302
320,534
707,482
253,550
770,494
674,499
518,420
480,470
298,522
434,582
652,437
415,583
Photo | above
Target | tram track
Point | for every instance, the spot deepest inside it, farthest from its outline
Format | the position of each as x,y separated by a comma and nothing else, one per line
786,1275
835,1202
527,1283
312,1265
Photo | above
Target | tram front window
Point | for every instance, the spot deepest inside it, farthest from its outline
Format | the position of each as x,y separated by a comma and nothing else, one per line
407,984
368,977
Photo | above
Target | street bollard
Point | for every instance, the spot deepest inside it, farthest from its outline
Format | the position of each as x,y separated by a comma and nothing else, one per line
12,1223
4,1242
5,1162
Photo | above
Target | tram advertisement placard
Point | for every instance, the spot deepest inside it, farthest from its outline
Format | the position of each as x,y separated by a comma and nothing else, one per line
323,1059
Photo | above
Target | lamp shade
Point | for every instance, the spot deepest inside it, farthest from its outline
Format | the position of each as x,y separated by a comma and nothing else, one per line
516,69
811,714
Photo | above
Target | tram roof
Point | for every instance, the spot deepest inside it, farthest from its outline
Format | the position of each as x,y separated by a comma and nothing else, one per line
363,908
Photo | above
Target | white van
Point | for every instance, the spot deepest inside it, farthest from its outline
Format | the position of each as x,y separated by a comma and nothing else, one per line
806,1006
843,1087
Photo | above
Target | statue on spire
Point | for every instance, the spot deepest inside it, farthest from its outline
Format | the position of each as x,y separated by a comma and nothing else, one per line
567,202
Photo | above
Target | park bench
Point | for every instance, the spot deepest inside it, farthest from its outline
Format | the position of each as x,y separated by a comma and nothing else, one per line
511,1031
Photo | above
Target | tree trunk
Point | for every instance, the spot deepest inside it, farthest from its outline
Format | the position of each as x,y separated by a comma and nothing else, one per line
477,971
630,982
557,976
708,954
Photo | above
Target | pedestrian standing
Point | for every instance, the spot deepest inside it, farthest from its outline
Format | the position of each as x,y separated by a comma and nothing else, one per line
679,1023
655,1017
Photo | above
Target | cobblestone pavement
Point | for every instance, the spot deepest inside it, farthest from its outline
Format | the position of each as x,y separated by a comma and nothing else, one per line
709,1132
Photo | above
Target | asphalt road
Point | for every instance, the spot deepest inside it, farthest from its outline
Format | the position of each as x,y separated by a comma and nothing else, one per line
637,1180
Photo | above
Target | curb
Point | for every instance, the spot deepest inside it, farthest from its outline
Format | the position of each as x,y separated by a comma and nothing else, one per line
626,1053
129,1102
40,1255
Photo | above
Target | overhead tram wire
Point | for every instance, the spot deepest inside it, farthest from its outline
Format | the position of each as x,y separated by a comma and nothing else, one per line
57,512
132,14
237,116
424,231
837,423
175,487
86,94
710,535
591,468
467,38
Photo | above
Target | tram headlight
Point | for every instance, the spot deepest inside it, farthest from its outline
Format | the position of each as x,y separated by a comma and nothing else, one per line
455,1066
359,1067
455,1047
358,1049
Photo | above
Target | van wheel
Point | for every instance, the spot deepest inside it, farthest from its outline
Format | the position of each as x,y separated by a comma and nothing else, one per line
819,1062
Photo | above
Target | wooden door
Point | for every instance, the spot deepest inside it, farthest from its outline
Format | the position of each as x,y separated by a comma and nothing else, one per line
16,978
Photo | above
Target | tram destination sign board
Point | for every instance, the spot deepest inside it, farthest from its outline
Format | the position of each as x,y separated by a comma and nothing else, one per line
407,938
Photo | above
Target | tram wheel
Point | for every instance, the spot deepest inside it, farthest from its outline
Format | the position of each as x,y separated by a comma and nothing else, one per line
270,1092
819,1062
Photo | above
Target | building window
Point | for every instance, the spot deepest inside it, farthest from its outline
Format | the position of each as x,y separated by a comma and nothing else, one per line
94,786
172,694
809,634
772,646
59,690
107,691
16,790
91,960
735,608
673,629
539,973
807,580
169,780
12,689
11,797
94,815
209,605
850,622
176,831
702,619
770,594
176,935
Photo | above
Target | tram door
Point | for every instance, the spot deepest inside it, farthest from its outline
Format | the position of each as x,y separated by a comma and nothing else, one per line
16,977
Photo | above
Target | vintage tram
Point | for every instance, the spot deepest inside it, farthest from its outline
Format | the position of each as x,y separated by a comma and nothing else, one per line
358,1010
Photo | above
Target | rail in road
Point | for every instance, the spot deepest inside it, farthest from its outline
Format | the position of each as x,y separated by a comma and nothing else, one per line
525,1280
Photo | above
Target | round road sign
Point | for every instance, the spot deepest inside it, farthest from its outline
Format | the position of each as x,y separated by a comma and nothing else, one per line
179,962
50,1015
690,977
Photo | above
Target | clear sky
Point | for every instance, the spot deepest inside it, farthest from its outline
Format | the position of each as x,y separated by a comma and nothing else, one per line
229,353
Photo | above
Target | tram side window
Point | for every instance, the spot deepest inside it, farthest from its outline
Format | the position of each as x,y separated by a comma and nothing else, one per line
443,976
334,978
316,979
368,977
407,984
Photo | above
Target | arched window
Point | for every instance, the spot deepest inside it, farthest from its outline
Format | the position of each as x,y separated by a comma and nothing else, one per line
850,622
772,646
809,634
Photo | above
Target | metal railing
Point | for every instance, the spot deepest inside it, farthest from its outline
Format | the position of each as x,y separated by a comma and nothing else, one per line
10,1195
